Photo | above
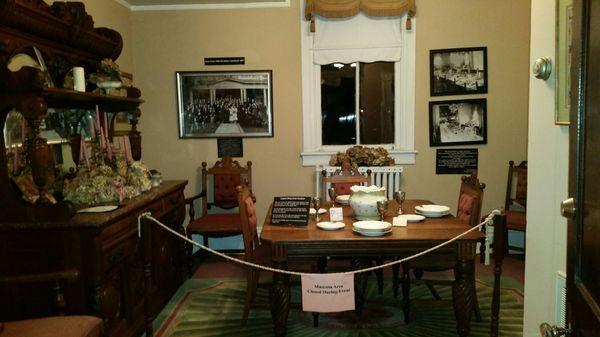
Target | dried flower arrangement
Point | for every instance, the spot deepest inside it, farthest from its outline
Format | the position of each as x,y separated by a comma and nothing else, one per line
363,156
108,70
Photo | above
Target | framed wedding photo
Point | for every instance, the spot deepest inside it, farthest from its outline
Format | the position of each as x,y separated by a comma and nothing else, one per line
459,71
214,104
458,122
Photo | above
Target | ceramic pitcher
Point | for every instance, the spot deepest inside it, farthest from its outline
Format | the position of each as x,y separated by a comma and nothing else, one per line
363,201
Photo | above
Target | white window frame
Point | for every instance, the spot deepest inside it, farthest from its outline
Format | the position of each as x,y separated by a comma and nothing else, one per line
403,150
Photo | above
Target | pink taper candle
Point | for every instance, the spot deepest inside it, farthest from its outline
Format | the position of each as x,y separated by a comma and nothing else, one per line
91,127
97,116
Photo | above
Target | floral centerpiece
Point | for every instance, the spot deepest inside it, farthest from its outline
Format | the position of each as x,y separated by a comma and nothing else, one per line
362,156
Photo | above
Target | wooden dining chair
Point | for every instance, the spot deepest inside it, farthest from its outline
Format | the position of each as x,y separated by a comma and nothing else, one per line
342,179
515,204
253,250
221,199
61,325
256,252
470,199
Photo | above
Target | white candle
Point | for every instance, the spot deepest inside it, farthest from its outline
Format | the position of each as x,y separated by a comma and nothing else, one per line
78,79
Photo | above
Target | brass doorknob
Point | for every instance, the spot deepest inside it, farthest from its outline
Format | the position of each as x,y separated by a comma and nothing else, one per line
567,208
547,330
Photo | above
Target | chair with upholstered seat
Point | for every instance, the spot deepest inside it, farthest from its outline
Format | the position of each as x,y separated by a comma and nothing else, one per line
342,179
64,326
226,175
515,205
470,200
256,252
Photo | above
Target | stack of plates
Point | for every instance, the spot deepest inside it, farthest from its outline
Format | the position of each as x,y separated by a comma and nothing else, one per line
432,211
343,199
371,228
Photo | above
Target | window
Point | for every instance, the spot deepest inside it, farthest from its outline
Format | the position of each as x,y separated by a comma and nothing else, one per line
357,100
346,120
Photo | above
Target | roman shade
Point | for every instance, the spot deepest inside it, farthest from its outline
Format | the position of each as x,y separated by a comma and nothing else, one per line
338,9
357,39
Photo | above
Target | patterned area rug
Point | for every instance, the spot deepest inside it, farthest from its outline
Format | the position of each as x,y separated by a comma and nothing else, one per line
214,308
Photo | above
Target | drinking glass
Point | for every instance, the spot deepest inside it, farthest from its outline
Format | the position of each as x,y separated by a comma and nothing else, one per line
317,205
382,207
399,196
332,195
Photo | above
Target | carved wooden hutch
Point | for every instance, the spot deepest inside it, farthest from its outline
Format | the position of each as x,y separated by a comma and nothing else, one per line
48,237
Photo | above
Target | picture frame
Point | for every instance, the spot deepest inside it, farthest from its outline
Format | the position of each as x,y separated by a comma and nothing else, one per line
458,122
214,104
564,24
458,71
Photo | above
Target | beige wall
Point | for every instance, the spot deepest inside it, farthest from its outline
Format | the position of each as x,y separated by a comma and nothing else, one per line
165,42
502,26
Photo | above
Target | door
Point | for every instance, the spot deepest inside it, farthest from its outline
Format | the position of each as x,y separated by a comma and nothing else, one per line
583,247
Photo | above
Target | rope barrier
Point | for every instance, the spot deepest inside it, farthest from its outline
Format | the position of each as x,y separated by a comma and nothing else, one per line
147,215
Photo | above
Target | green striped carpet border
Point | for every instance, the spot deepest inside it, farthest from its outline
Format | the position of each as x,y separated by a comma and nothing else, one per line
214,308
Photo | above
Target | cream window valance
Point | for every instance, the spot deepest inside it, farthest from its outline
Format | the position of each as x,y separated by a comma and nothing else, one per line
338,9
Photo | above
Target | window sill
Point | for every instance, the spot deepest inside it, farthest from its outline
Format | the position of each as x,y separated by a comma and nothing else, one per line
322,157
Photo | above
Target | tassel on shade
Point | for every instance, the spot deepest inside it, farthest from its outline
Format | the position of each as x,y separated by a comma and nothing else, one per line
16,163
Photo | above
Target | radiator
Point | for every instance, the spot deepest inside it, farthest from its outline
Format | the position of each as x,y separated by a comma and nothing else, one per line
382,176
561,299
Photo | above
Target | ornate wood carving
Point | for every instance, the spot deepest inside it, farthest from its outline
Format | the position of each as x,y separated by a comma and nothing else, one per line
65,35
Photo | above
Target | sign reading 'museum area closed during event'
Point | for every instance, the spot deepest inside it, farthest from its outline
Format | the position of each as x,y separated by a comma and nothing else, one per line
328,292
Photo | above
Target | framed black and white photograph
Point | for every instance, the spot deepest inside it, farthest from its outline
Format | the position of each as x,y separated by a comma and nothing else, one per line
459,71
458,122
213,104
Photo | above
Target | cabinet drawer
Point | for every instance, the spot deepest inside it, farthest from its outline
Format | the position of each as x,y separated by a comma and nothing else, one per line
115,255
155,208
173,200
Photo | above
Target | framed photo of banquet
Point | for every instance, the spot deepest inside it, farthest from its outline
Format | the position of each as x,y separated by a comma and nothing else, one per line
458,122
214,104
459,71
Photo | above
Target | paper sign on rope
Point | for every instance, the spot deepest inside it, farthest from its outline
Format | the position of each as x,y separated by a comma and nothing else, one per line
327,292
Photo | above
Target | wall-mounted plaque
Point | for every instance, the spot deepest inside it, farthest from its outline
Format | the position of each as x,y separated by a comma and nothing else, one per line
456,161
290,211
223,61
233,147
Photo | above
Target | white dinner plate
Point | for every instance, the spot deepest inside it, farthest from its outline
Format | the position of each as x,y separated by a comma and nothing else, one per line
412,217
432,215
321,211
372,226
98,209
432,209
343,199
363,233
330,226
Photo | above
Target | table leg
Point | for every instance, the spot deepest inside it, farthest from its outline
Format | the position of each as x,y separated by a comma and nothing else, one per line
360,282
463,296
280,299
406,291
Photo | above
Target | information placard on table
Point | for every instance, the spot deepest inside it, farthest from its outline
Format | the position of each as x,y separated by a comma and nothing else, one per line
290,211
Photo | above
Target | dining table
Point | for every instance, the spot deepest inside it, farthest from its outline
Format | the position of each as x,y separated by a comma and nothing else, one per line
302,242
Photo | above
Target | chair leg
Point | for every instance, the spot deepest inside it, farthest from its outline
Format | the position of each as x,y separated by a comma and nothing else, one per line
433,292
379,275
396,278
189,250
249,291
476,309
406,292
482,249
205,240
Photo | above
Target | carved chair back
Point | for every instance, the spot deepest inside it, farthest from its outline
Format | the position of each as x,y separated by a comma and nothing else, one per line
248,219
519,187
226,175
344,178
470,199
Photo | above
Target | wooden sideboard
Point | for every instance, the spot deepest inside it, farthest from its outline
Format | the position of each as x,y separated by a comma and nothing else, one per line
106,250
